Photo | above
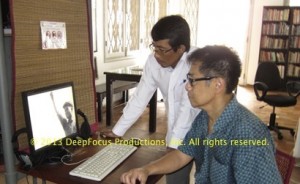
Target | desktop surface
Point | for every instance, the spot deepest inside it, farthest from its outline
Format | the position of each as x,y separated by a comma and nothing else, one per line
60,173
129,70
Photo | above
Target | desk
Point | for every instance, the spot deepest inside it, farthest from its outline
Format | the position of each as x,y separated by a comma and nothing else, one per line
134,74
143,155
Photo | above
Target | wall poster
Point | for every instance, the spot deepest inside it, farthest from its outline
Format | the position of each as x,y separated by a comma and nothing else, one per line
53,35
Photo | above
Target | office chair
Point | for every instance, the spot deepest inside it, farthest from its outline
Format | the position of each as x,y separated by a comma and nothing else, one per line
285,164
267,79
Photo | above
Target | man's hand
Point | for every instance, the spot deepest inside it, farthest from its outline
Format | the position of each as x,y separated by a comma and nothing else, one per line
133,175
108,133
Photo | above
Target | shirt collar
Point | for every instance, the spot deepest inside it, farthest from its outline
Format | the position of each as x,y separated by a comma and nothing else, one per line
225,120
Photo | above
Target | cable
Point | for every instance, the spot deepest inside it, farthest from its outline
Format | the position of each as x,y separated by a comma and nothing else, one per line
73,163
68,157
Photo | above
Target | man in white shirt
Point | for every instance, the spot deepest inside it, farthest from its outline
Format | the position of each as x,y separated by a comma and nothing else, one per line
166,70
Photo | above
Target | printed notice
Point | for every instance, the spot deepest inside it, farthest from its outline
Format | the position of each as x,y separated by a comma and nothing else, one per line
53,35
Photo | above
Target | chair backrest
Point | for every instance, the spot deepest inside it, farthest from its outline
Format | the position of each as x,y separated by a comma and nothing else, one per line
285,164
268,73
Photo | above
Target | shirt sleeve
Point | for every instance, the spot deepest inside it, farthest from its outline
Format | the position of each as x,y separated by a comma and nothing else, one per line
138,102
186,116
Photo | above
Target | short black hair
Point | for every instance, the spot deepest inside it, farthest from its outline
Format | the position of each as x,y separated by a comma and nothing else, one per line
218,61
67,104
175,28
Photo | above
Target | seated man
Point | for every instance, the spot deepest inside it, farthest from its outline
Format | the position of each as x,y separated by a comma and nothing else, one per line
228,143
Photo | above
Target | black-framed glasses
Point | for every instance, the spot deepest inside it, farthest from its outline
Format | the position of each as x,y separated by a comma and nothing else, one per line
191,81
158,49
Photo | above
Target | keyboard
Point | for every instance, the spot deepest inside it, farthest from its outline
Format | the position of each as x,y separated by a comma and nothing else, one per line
103,162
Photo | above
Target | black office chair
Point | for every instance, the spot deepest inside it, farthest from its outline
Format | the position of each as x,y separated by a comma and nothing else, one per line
268,79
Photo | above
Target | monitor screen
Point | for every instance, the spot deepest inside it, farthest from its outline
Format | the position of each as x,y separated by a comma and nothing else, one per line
50,115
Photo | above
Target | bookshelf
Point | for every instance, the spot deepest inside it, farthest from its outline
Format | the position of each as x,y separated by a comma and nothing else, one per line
293,70
280,39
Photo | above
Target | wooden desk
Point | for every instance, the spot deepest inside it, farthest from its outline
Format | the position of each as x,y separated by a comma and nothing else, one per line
120,86
143,155
127,74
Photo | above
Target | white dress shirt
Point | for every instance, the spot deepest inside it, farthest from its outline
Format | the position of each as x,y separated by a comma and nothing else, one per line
171,83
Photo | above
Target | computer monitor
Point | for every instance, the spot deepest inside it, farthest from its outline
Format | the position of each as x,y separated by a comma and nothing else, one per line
50,116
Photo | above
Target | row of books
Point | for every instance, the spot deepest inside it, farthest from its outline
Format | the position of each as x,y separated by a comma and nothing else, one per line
271,56
296,16
273,43
295,30
281,69
295,42
294,57
276,15
275,29
293,71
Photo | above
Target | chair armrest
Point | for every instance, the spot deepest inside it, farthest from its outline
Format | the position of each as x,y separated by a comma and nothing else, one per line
260,90
293,88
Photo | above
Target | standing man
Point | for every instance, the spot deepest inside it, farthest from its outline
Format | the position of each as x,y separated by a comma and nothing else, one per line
220,137
165,69
66,121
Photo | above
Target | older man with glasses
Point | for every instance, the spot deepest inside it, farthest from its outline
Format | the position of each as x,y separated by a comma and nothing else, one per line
165,69
228,143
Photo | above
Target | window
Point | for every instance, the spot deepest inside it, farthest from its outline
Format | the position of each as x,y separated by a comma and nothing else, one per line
188,9
128,24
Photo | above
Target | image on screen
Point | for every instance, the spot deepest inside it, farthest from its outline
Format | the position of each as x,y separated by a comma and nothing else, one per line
50,115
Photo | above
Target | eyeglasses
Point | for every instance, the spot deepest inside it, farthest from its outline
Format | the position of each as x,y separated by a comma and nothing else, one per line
191,81
158,49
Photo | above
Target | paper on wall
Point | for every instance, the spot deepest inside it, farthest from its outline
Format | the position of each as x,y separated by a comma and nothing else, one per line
53,35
